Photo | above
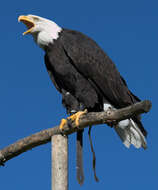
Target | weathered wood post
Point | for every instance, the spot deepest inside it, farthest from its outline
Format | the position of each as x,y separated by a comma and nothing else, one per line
59,146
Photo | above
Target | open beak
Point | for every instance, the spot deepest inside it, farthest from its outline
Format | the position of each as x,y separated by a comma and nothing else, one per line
28,22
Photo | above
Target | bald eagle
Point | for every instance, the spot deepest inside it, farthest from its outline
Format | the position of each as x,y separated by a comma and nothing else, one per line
85,76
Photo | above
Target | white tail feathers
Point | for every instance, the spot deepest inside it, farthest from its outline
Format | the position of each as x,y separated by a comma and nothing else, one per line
130,134
128,131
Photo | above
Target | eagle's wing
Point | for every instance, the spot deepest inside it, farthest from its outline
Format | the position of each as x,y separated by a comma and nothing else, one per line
67,78
90,60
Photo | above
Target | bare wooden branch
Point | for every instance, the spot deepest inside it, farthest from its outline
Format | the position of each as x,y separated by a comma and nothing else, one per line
59,162
92,118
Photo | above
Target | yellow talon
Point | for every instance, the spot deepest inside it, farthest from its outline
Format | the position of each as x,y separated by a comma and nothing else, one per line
77,116
62,123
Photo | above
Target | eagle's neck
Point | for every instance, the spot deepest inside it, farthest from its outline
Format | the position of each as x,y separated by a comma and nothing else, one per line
47,35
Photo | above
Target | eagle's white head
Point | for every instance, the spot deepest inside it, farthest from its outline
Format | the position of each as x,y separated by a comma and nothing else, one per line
44,31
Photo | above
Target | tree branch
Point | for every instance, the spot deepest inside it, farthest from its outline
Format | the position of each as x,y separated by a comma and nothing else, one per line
92,118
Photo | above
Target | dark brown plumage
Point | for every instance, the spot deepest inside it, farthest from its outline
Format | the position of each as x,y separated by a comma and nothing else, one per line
77,65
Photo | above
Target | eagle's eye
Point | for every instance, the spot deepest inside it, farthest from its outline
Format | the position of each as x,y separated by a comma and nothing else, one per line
36,19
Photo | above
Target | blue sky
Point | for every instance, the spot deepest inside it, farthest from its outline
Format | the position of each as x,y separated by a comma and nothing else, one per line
128,32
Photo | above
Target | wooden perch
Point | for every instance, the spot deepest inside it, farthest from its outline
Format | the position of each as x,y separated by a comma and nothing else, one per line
89,119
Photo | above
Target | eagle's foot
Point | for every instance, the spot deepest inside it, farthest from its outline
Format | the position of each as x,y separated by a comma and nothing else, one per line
62,123
75,117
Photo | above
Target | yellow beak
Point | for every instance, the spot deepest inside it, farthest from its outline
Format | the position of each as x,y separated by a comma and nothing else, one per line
28,22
